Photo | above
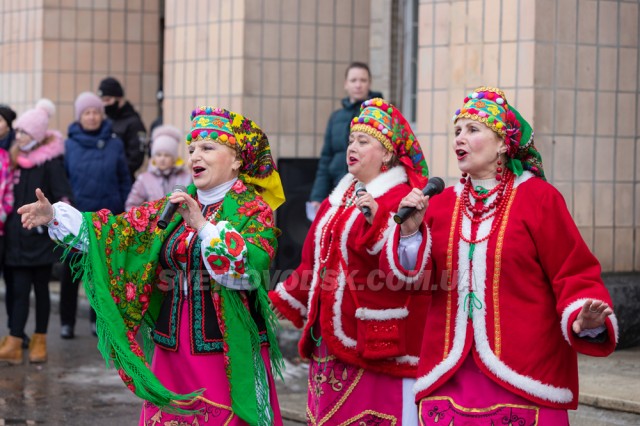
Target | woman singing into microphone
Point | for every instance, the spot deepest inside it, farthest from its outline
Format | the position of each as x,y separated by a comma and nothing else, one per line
362,332
197,289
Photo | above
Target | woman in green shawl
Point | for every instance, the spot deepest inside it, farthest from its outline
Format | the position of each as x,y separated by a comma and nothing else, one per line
196,290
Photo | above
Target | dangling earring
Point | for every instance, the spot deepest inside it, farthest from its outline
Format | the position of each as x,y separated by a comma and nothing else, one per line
499,171
463,179
384,168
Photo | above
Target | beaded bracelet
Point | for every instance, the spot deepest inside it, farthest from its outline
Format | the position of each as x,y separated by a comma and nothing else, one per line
410,235
201,227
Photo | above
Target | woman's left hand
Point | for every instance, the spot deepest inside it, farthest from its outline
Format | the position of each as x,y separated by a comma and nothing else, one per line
188,209
367,200
592,315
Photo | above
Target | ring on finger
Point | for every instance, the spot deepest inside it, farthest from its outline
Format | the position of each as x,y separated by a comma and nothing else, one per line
592,310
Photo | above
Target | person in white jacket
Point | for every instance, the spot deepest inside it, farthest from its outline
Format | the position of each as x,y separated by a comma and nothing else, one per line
165,170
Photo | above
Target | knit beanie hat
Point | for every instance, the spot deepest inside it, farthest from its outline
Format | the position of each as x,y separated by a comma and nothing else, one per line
36,121
87,100
166,139
7,113
110,87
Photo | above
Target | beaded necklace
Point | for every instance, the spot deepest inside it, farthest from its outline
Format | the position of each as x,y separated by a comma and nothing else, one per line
348,199
477,215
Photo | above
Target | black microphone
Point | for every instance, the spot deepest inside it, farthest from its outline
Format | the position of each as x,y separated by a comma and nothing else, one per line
434,186
170,209
366,211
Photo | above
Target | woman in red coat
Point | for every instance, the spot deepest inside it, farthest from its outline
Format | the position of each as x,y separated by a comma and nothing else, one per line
360,332
516,293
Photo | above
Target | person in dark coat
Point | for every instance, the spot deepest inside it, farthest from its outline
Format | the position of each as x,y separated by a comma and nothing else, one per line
333,164
127,123
97,168
37,155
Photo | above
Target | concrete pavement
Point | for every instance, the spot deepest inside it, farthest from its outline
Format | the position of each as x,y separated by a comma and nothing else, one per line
609,387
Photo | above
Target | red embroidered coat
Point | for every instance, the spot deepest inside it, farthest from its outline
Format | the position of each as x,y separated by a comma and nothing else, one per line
531,277
364,320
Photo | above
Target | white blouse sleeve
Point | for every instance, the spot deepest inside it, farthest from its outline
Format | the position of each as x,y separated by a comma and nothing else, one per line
408,248
65,225
224,252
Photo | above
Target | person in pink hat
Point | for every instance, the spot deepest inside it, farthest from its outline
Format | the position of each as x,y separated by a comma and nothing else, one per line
37,155
165,170
95,161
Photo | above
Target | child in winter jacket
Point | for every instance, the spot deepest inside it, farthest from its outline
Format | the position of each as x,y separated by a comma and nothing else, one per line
165,170
37,155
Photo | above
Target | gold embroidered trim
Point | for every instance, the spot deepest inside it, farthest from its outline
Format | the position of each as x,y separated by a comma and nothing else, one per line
393,419
338,405
323,359
213,404
452,233
484,120
476,410
365,128
491,89
496,277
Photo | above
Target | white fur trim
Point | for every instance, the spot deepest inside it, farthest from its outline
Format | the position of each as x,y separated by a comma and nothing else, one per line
391,256
525,176
387,180
576,305
488,358
377,247
292,301
337,313
316,254
381,314
377,187
345,234
408,359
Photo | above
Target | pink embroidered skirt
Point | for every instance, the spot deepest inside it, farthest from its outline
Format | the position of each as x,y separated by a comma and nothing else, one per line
342,393
471,398
182,372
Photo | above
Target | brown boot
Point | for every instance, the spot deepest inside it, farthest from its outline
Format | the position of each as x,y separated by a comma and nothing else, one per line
38,348
11,350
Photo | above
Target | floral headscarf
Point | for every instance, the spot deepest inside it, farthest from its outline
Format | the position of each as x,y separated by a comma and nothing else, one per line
489,105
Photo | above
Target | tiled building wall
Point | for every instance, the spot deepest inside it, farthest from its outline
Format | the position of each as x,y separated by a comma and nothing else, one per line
280,62
569,66
60,48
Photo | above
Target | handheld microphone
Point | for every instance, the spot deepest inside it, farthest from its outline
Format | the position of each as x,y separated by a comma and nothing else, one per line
170,209
366,211
434,186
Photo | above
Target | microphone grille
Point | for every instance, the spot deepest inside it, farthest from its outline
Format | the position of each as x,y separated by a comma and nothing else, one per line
360,187
179,188
438,182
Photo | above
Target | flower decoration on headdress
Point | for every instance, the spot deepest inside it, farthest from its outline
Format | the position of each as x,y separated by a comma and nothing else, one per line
250,143
489,105
386,123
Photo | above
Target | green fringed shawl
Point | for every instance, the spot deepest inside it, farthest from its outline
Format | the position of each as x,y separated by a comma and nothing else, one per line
119,271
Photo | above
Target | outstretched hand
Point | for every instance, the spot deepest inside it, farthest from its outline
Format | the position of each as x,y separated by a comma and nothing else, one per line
38,213
593,315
